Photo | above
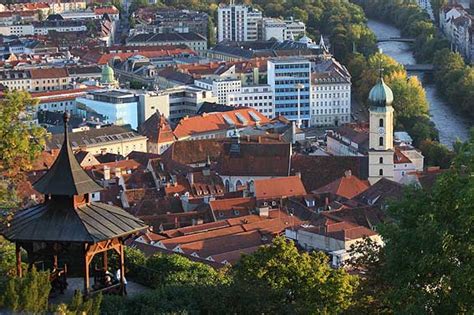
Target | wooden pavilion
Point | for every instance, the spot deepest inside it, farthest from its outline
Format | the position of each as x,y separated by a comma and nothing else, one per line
67,219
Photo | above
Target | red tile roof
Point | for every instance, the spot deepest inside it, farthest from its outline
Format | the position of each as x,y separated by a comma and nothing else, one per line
106,10
279,187
206,123
232,207
400,158
347,186
48,73
157,129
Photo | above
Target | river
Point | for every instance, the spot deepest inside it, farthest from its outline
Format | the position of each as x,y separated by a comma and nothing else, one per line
450,124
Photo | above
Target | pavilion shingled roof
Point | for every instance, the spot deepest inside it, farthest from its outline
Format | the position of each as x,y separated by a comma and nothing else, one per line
66,176
60,218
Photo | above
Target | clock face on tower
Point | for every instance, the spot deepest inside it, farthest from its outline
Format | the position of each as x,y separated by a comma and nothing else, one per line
381,130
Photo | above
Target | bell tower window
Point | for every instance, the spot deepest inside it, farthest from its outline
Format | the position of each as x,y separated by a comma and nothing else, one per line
381,122
381,160
381,172
381,141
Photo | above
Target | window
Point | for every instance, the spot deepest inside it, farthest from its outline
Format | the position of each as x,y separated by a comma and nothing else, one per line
381,122
381,160
381,172
381,141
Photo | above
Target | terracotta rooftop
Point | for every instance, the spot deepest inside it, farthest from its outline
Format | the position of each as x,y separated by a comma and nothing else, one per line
232,207
400,158
212,122
347,186
49,73
279,187
157,129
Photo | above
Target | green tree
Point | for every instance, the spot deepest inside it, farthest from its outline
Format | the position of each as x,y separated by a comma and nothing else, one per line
278,279
29,293
436,154
428,254
20,143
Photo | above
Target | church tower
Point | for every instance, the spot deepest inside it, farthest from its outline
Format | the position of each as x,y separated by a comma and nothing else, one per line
381,132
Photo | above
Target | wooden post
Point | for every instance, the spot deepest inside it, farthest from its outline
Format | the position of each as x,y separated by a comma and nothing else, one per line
122,269
19,271
55,261
86,270
106,261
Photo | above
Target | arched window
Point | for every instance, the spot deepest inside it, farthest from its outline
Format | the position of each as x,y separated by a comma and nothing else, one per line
381,122
227,185
238,185
381,141
381,160
381,172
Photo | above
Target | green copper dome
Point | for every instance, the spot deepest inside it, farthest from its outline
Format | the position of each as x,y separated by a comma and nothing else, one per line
380,95
108,76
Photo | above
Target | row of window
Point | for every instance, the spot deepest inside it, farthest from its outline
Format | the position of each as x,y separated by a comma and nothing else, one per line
250,98
331,95
290,105
332,87
293,66
331,120
292,90
335,111
292,82
333,103
294,113
293,97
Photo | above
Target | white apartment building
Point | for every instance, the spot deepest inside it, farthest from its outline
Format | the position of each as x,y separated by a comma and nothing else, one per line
294,29
43,28
258,97
17,29
331,94
187,100
237,23
282,29
220,88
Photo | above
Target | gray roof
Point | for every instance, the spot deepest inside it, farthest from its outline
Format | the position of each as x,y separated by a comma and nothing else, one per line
57,221
170,37
94,137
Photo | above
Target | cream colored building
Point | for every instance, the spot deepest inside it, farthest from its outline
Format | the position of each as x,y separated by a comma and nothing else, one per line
112,139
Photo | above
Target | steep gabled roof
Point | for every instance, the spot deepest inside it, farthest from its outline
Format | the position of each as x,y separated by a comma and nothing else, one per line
346,186
157,129
66,177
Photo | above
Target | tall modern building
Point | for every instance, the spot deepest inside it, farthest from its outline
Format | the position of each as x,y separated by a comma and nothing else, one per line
290,80
238,23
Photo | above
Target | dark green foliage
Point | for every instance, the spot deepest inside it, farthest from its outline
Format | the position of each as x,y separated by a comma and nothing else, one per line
426,263
276,279
28,294
436,154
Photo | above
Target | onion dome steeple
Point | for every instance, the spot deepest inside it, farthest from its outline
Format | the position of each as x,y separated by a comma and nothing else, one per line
66,176
380,95
108,75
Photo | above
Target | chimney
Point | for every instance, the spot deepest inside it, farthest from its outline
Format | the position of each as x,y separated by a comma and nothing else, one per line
106,172
348,173
298,174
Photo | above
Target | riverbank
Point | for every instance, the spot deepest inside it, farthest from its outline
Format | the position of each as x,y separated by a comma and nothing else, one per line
450,124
